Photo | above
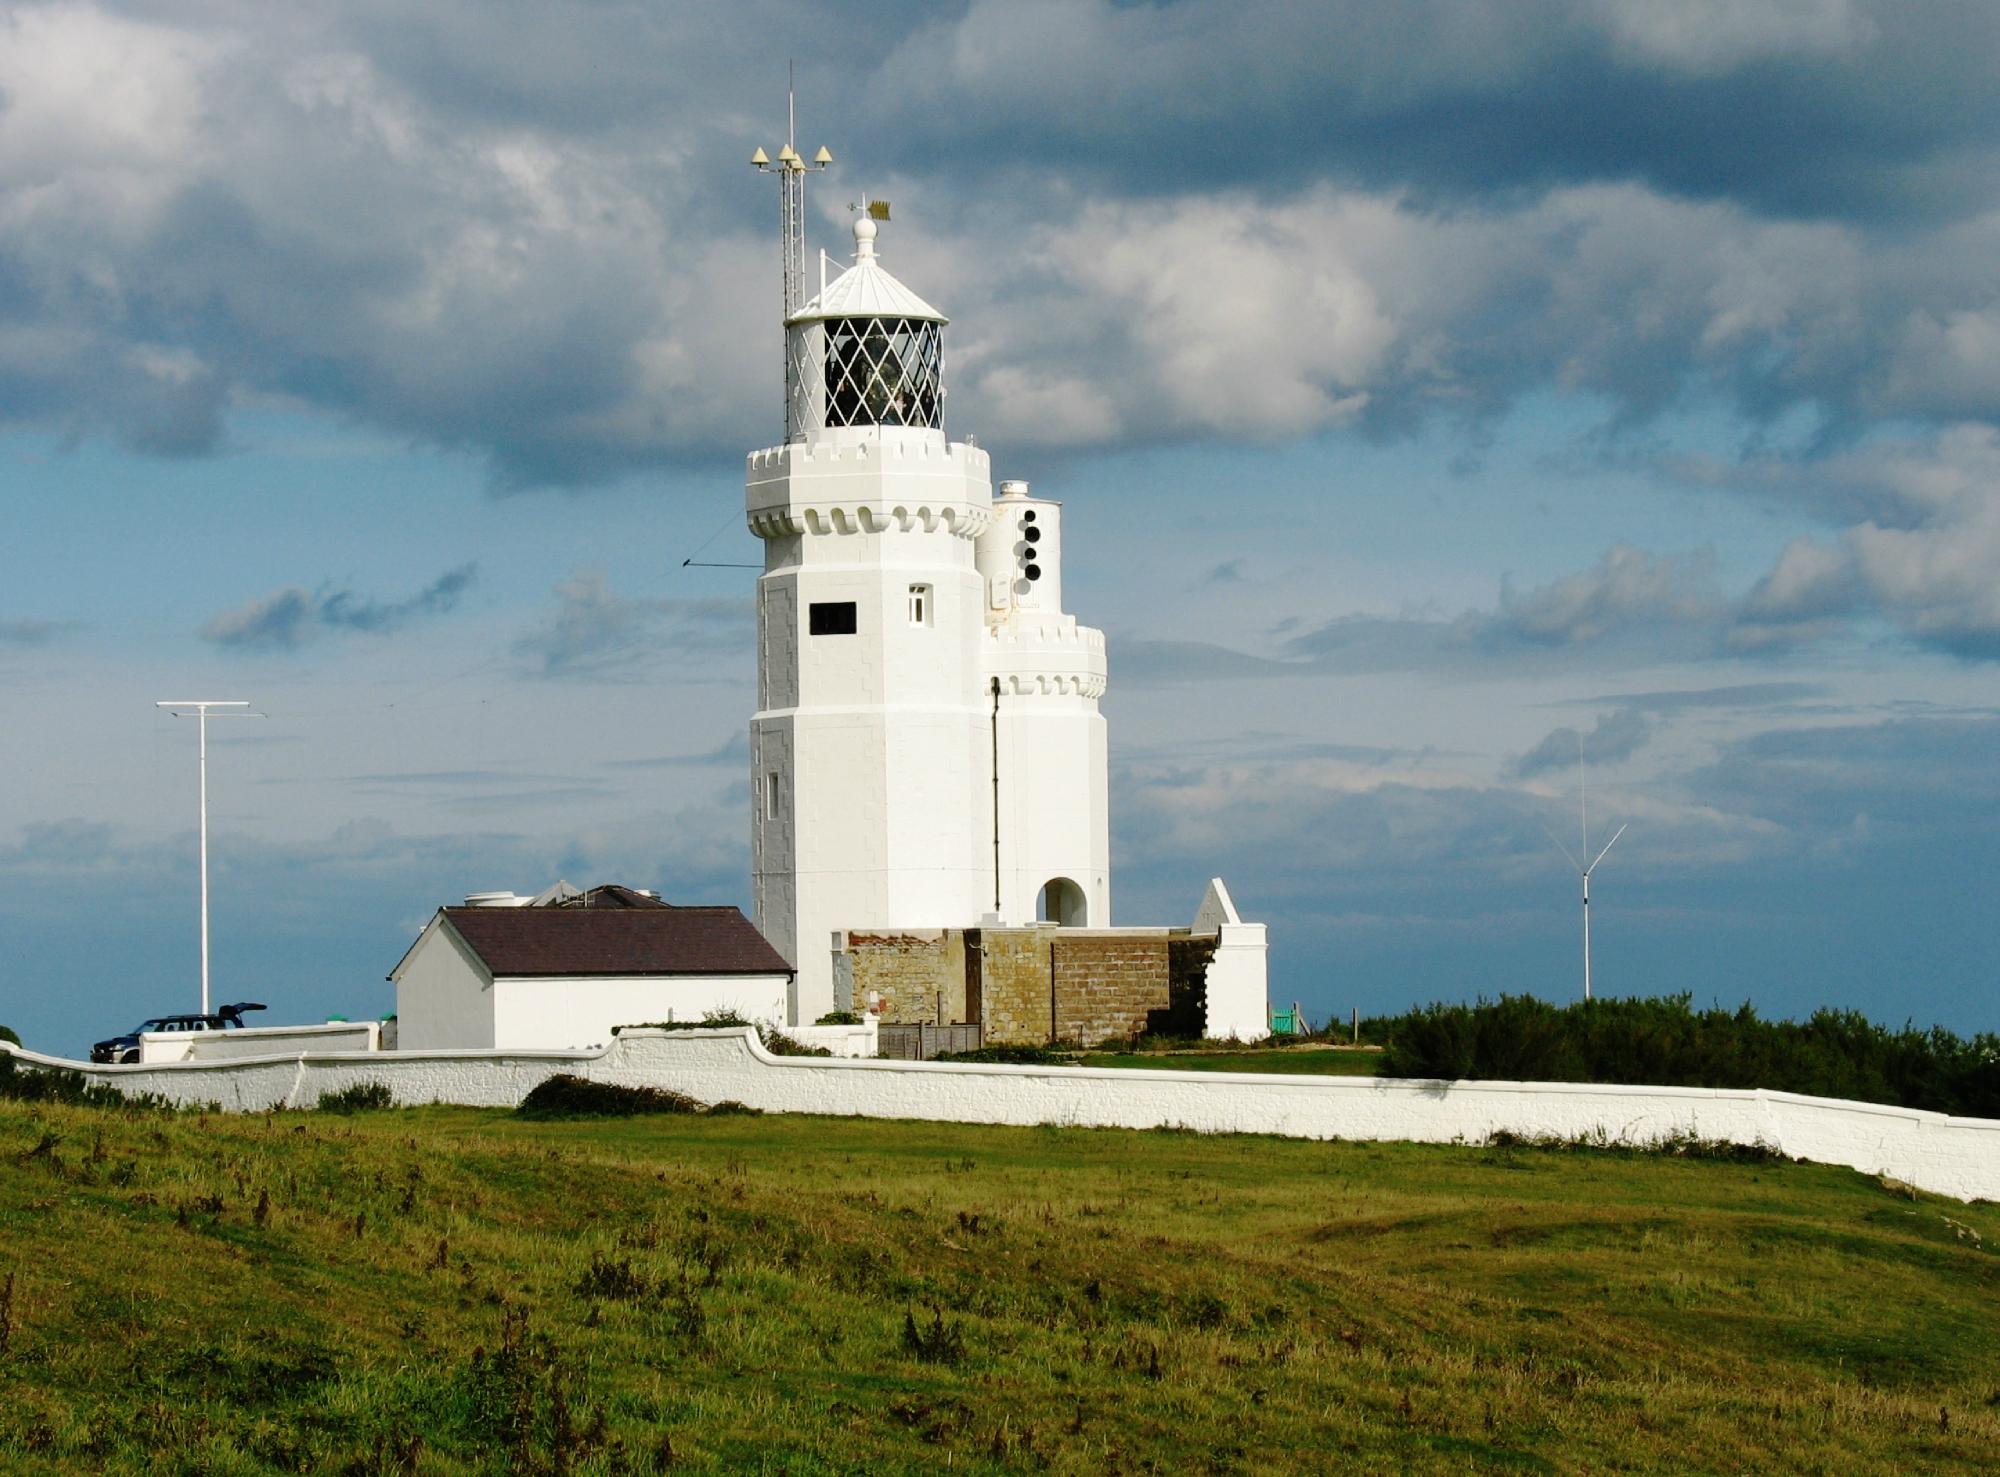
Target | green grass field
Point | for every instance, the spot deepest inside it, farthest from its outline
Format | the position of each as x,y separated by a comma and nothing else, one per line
449,1290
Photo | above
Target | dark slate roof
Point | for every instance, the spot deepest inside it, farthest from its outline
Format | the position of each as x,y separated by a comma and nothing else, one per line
615,940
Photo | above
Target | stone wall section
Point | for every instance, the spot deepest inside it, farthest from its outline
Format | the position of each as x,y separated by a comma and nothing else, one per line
1031,986
1108,985
1013,984
914,971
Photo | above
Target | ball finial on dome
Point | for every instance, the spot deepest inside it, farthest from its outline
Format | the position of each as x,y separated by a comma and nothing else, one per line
864,236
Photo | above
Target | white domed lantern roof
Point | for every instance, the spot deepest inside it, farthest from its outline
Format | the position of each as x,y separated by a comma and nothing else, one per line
866,352
866,290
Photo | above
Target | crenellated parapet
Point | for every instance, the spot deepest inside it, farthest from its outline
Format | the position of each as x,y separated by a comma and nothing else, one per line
875,447
962,519
1051,656
1051,684
895,480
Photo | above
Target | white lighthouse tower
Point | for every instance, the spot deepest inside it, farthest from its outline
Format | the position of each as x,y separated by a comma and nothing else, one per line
927,751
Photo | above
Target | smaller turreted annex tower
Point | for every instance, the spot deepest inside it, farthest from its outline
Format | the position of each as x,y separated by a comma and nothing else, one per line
927,751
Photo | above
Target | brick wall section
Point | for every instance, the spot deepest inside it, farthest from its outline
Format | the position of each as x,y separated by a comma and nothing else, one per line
1108,985
1013,972
910,969
1030,986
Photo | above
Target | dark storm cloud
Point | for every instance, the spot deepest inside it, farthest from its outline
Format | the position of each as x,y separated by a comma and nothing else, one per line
527,233
289,618
1836,109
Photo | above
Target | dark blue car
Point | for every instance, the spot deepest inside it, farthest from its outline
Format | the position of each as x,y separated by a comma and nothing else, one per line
125,1048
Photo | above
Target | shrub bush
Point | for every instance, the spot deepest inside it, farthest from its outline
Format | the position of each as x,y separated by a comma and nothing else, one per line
565,1096
1664,1042
7,1034
60,1085
1012,1056
360,1097
840,1018
779,1044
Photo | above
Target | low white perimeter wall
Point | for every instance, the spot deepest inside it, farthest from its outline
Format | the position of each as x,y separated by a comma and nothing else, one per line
211,1046
862,1040
1948,1156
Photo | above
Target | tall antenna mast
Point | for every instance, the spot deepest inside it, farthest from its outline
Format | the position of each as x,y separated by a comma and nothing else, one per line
204,709
1584,869
791,171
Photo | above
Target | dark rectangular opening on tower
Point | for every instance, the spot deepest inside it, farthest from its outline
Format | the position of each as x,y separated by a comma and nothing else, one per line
831,618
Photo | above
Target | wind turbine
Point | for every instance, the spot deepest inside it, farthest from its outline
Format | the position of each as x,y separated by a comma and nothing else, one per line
1583,871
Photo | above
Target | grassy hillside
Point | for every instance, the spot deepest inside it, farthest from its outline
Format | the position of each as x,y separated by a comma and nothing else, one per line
450,1290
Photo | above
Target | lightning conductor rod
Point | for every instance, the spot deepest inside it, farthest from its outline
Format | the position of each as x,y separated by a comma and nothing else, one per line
200,707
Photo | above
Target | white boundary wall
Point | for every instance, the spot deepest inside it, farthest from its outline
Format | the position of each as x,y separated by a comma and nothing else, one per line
1948,1156
862,1040
207,1046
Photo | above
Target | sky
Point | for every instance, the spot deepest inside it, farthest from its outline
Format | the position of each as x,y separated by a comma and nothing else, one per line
1426,386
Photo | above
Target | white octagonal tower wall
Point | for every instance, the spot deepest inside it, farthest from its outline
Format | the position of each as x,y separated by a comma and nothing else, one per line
870,740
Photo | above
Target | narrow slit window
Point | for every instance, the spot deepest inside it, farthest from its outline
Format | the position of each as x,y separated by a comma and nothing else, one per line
771,793
920,605
831,618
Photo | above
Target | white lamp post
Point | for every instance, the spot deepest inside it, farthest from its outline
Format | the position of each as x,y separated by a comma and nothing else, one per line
200,708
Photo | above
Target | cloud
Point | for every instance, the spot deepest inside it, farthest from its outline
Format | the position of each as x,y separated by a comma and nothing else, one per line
1630,606
24,632
1746,695
1925,559
489,230
1710,37
1629,588
1794,105
1618,735
1920,563
287,619
593,632
1926,781
1137,661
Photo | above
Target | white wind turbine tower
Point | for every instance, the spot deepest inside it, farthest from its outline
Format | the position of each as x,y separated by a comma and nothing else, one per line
1582,870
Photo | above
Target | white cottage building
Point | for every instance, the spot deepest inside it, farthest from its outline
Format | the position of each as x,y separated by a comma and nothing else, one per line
564,968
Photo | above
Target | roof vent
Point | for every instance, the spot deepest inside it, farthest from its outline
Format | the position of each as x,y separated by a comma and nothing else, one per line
1013,489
